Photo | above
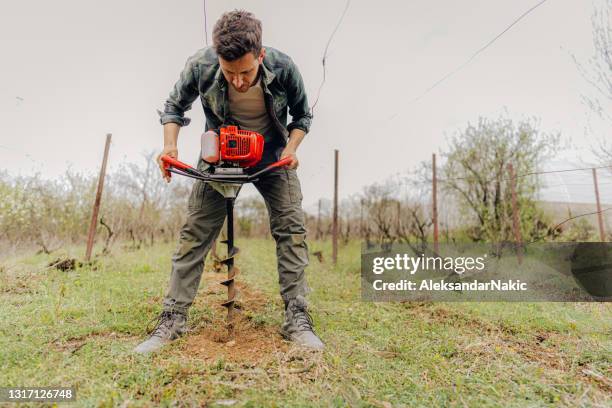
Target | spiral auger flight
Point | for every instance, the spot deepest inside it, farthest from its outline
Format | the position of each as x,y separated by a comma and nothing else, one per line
232,269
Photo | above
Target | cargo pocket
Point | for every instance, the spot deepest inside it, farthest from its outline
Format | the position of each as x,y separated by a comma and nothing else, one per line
293,185
298,239
196,198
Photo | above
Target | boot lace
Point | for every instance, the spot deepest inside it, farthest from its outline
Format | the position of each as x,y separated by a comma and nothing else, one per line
303,319
163,323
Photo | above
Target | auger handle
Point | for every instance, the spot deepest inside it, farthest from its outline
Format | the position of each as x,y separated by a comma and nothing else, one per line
172,162
280,163
283,162
172,165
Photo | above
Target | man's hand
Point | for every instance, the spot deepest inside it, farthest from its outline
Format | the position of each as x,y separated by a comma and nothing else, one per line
288,152
171,151
171,131
295,138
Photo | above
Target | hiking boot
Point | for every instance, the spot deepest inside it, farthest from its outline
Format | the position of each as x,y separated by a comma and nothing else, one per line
169,326
298,325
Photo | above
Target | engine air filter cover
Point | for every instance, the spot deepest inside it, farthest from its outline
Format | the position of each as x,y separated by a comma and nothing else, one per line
242,146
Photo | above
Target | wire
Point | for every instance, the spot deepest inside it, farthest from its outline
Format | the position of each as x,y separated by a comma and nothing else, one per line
22,153
561,171
545,187
205,25
474,55
566,220
533,173
549,172
323,60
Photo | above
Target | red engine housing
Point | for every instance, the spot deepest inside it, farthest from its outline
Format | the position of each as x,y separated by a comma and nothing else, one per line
244,147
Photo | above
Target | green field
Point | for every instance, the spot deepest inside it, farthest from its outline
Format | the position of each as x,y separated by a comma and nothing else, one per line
77,328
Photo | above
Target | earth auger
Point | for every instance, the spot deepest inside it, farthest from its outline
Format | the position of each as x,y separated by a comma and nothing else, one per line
227,155
232,269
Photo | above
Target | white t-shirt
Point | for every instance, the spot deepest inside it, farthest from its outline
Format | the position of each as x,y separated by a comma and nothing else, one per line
249,110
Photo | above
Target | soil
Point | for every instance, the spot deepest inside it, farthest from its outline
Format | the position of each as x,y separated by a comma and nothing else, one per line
67,264
246,341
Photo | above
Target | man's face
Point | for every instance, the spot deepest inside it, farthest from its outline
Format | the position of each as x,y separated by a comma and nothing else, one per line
241,73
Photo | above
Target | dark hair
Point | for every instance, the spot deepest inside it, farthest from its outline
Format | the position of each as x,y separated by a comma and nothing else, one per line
236,33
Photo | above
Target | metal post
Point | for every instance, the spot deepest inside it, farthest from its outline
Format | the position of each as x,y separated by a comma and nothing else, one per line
398,215
319,232
361,218
515,216
602,232
435,205
96,207
335,215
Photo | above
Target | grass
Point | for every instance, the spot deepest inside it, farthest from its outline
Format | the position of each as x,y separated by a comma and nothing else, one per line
77,328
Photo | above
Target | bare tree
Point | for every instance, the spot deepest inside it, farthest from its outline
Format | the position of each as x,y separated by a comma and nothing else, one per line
381,208
415,223
597,71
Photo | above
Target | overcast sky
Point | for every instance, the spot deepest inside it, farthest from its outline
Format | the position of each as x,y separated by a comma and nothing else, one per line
76,70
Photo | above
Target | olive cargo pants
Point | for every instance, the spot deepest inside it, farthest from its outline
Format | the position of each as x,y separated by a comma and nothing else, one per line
206,212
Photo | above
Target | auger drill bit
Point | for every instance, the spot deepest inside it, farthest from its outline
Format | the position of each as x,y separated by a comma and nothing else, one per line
232,270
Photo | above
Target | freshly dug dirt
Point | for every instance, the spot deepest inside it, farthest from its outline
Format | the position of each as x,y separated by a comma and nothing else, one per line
67,264
248,341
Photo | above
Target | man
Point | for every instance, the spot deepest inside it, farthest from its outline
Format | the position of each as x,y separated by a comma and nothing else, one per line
242,83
